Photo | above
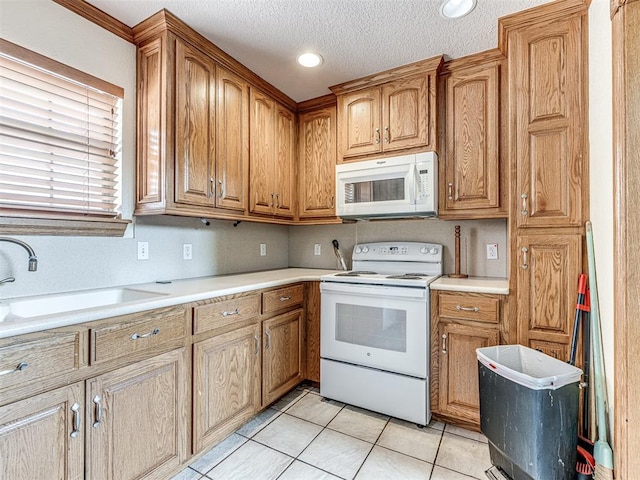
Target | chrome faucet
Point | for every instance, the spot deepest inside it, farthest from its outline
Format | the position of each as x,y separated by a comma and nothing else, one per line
33,260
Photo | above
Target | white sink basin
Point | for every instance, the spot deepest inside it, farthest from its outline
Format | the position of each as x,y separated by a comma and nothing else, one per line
69,302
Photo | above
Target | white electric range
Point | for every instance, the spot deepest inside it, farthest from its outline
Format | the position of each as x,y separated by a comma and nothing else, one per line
374,342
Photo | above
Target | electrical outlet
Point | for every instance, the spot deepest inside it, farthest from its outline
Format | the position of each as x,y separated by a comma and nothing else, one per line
187,251
263,249
317,249
143,250
492,251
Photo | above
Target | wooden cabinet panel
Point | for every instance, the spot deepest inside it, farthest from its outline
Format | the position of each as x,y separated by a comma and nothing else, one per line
405,113
360,130
282,355
282,298
262,134
465,306
195,126
225,311
458,376
471,172
547,74
283,172
232,141
548,270
152,331
312,331
226,382
138,419
35,436
151,117
316,162
54,354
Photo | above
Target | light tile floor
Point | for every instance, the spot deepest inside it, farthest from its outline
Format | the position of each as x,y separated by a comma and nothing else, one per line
306,437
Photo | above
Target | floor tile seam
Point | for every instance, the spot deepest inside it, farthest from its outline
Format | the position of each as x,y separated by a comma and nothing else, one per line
235,449
364,461
304,394
322,425
468,438
262,427
350,435
249,440
455,471
382,431
407,455
313,440
316,467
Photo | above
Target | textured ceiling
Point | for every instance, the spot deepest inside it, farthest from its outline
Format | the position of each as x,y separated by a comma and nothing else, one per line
355,37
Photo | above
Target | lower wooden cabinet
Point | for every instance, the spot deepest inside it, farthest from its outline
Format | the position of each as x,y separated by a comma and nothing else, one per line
460,323
282,355
226,383
43,436
136,420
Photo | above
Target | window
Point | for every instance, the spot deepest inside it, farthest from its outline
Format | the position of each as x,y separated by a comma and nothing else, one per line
60,140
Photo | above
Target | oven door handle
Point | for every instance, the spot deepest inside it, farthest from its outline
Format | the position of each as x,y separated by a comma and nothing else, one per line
379,291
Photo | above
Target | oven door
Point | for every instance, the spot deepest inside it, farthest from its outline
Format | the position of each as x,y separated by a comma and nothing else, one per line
382,327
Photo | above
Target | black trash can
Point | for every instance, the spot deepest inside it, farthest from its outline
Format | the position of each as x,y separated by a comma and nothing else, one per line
529,412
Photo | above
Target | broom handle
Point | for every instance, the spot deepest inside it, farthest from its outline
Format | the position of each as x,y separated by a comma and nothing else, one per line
596,342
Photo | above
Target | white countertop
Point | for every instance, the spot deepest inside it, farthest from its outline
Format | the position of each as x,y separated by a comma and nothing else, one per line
496,285
174,293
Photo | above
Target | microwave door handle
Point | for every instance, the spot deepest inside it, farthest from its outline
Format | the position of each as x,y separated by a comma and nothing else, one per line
413,185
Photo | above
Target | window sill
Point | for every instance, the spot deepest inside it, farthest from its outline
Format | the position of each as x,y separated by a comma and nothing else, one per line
63,226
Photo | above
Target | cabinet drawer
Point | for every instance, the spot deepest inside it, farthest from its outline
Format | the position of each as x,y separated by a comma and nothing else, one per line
157,330
33,361
469,307
282,298
225,312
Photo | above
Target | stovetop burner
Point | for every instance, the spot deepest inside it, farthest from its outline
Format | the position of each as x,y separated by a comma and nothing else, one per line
355,273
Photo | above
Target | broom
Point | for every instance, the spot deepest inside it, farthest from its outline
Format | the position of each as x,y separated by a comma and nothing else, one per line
602,451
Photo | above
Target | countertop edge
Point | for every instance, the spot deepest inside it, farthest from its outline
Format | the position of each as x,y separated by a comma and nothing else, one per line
184,291
489,285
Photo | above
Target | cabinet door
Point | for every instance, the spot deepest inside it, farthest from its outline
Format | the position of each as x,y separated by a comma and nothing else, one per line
471,169
226,383
284,168
195,126
43,436
232,142
360,129
458,388
262,134
405,113
137,420
282,356
548,270
317,163
549,113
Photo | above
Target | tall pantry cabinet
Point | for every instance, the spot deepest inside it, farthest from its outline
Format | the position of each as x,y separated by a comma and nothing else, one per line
547,64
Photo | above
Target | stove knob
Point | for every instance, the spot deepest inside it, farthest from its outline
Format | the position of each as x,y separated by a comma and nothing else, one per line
433,251
358,250
365,249
424,250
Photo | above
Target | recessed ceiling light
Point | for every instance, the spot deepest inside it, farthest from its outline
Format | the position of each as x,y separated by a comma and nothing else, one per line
457,8
309,60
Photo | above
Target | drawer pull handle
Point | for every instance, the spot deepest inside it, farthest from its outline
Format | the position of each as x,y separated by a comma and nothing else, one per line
377,140
98,410
467,309
257,344
75,408
268,342
137,336
228,314
284,299
21,366
524,258
524,211
450,187
387,135
444,343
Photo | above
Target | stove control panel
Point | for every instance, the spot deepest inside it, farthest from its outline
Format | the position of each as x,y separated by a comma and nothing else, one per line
398,251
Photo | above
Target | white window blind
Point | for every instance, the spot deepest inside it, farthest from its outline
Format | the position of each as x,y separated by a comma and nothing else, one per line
60,142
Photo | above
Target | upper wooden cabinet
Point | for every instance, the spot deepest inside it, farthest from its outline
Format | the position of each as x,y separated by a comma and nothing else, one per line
472,184
391,111
193,128
272,159
317,163
547,69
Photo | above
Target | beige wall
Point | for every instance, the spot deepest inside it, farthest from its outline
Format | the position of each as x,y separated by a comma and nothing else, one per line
601,171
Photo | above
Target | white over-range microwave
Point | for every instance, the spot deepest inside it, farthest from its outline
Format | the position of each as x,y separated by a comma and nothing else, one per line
403,186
